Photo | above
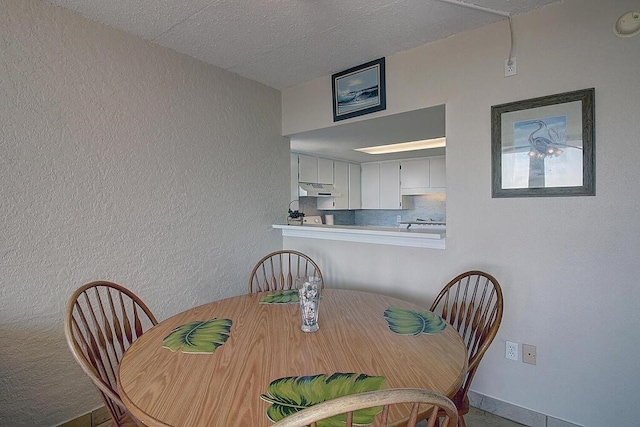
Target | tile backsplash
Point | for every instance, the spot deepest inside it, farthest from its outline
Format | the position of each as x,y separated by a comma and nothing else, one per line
427,207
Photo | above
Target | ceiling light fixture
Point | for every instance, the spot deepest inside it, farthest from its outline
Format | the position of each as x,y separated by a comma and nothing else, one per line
627,25
405,146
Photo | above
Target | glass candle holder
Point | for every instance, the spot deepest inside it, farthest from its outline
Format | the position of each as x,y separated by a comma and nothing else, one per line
309,295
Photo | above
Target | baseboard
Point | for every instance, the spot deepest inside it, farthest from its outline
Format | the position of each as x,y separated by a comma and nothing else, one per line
90,419
515,413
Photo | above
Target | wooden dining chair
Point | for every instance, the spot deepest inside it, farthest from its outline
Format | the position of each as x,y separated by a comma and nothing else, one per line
471,303
279,270
420,402
102,320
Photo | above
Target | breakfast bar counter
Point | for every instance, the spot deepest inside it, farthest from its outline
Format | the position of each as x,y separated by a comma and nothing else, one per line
421,238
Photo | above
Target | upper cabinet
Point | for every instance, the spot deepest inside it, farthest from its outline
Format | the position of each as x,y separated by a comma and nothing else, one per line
423,176
390,185
340,180
355,186
437,173
346,180
325,171
381,185
370,185
294,182
314,169
415,176
374,185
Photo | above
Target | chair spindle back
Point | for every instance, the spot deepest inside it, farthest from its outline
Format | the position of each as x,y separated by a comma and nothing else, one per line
279,270
103,320
472,303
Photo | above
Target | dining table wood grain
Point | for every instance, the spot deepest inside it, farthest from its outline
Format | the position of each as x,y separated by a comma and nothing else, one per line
162,387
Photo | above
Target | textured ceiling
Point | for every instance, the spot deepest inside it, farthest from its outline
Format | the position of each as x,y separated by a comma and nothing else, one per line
282,43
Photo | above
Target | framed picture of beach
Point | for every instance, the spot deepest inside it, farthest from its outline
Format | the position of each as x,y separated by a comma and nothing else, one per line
359,90
544,146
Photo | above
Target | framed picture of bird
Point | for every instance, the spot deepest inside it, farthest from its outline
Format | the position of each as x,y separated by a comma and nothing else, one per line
544,146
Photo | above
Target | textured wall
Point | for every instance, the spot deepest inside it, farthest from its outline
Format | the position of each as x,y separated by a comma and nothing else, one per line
124,161
568,265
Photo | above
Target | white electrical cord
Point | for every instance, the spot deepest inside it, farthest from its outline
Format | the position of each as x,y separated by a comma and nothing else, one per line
476,7
487,10
510,62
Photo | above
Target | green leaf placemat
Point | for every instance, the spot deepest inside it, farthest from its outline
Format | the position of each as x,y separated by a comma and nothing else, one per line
281,297
198,336
405,321
292,394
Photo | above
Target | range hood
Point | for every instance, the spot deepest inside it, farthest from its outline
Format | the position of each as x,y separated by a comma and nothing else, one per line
317,190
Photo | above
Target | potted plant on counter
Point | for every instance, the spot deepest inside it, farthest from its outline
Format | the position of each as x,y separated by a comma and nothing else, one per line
294,217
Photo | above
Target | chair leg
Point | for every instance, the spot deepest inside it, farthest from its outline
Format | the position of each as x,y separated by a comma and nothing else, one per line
461,422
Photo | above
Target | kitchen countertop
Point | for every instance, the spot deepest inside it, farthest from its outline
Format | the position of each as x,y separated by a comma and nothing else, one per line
433,238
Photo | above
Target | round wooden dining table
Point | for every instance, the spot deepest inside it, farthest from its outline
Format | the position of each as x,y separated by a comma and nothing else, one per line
265,343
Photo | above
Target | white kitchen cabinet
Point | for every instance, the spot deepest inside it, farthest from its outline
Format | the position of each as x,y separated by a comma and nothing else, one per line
295,188
423,176
315,170
340,181
370,174
415,176
347,180
355,189
390,197
307,168
381,185
325,171
437,172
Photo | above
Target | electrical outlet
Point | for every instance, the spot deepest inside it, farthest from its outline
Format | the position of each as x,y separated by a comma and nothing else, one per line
511,350
510,67
398,218
529,354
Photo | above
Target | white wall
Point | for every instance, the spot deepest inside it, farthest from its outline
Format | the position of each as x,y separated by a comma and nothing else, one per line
119,160
568,266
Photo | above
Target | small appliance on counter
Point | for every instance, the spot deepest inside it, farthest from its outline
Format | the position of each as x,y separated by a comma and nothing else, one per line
312,219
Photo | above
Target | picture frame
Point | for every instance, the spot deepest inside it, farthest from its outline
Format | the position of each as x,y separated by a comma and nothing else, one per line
359,90
544,146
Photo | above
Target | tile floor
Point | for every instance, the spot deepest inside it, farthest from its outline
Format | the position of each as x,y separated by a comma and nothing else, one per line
475,418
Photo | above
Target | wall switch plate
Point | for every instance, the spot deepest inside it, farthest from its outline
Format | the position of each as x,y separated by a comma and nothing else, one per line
511,350
529,354
510,67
